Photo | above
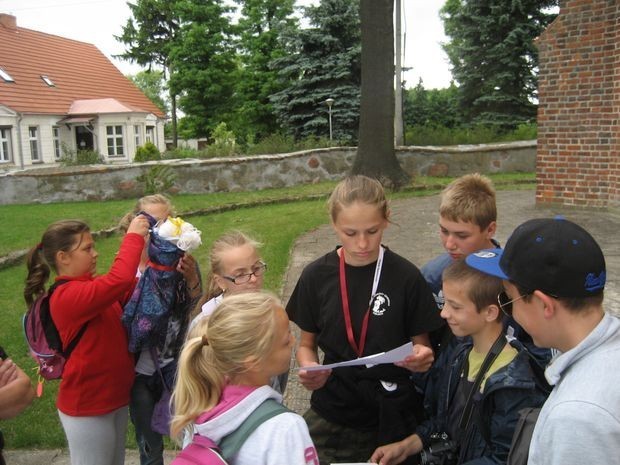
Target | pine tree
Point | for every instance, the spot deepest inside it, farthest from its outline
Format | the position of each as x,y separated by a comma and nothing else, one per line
493,56
261,28
324,61
204,65
150,35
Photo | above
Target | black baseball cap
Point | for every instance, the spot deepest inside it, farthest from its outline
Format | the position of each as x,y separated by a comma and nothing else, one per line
555,256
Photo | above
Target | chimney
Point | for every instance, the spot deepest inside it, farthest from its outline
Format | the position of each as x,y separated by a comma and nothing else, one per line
8,21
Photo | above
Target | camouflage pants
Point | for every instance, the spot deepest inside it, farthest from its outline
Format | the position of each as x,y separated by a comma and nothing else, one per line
336,443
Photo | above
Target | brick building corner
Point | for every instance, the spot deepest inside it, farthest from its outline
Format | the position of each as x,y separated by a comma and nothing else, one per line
578,155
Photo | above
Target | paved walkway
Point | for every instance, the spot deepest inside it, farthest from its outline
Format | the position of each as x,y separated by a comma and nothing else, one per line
413,235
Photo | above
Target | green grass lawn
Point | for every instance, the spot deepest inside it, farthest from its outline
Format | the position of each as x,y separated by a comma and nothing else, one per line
276,225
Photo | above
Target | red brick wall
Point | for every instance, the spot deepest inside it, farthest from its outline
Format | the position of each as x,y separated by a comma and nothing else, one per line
578,155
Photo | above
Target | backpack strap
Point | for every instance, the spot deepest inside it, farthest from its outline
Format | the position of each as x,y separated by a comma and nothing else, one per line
231,444
200,451
495,350
66,352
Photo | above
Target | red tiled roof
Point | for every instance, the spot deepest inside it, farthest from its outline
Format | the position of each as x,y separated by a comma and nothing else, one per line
79,71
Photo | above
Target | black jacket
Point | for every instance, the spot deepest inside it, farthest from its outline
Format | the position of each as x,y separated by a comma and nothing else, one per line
496,410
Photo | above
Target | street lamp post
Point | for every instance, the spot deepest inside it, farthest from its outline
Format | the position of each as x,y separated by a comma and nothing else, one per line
330,102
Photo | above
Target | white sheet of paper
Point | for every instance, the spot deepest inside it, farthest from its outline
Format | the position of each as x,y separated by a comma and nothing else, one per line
391,356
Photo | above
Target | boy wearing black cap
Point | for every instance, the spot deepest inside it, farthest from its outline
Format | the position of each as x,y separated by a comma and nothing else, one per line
554,274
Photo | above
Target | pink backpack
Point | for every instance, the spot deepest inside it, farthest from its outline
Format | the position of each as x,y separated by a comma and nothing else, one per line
202,451
43,338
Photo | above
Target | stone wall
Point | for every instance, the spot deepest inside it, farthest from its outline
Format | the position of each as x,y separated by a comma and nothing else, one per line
104,182
579,103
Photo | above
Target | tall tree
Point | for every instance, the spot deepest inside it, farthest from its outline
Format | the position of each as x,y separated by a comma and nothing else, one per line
149,35
375,152
262,27
323,62
432,107
204,64
493,57
152,84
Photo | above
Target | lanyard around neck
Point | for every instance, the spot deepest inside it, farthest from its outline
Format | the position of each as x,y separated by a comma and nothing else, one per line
358,348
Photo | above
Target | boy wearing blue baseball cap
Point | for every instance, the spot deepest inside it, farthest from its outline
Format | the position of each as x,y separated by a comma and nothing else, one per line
554,274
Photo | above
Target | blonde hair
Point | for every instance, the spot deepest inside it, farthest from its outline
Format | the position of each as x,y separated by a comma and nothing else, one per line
64,235
470,198
357,188
154,199
222,244
240,330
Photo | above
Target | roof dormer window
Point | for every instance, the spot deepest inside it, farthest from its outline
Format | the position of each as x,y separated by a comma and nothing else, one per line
6,76
47,80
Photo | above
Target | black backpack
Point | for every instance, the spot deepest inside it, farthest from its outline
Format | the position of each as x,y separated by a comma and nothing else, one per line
524,430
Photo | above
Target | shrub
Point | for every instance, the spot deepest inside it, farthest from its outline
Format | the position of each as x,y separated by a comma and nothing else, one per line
180,152
223,142
479,134
523,132
283,143
72,157
147,152
157,180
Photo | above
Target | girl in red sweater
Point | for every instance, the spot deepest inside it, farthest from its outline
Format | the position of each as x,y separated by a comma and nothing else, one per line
96,381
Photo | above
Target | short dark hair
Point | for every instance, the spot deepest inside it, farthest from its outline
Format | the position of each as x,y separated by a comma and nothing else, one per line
573,304
482,289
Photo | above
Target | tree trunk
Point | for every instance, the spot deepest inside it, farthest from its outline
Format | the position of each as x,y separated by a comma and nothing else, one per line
173,110
375,153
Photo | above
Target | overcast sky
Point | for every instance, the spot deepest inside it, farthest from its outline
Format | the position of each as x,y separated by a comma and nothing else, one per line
97,21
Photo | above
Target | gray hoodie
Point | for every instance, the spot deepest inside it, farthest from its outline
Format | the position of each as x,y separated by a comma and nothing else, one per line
580,421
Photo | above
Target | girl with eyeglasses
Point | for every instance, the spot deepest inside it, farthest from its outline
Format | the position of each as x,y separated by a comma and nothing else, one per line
235,267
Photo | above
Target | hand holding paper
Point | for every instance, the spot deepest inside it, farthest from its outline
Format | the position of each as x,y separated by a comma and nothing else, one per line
395,355
314,376
419,361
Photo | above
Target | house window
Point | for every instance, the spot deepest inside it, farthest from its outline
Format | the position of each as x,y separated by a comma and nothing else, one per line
5,145
136,131
114,135
47,80
33,140
56,138
150,134
6,76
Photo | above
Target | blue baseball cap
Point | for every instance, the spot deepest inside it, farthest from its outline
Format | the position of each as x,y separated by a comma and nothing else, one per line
555,256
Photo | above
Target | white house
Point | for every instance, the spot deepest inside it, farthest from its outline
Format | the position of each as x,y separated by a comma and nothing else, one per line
57,92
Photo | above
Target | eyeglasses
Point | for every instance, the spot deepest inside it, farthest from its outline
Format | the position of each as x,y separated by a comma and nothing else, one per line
257,270
505,303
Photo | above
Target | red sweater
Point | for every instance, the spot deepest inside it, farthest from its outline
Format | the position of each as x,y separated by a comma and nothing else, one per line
98,376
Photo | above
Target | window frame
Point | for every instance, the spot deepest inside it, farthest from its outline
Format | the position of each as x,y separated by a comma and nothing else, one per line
56,142
47,80
6,145
150,134
115,141
4,74
137,132
34,143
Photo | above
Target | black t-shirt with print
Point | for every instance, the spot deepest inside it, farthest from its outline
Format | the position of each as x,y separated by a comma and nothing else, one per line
403,307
